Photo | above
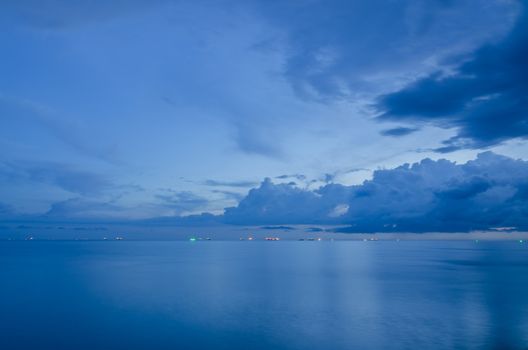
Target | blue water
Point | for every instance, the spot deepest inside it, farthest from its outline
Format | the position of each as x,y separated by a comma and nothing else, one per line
263,295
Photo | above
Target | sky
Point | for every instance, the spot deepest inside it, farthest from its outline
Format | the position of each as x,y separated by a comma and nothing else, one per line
266,111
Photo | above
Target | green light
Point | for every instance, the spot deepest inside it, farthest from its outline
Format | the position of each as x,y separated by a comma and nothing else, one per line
520,241
192,239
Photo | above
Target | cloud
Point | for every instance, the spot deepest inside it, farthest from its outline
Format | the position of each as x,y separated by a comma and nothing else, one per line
331,177
485,98
169,204
181,202
256,141
63,176
337,47
17,113
486,193
75,208
399,131
490,191
230,194
242,183
273,204
299,177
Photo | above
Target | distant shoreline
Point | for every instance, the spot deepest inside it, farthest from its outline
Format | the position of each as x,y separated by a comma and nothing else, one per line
79,232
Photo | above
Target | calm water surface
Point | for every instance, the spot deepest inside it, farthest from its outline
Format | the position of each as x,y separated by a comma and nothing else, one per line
263,295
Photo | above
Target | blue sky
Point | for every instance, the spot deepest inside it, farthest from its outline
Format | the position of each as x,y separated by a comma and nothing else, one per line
140,109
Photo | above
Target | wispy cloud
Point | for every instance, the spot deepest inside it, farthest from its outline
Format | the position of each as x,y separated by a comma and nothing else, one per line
219,183
79,208
256,141
300,177
337,48
70,131
63,176
237,196
181,202
399,131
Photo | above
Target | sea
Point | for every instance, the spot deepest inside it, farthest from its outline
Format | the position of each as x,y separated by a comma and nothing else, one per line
257,294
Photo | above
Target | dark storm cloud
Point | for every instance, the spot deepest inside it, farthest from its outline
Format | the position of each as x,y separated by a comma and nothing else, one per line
488,192
486,98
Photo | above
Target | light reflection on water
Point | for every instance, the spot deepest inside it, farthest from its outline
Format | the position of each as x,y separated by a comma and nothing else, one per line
263,295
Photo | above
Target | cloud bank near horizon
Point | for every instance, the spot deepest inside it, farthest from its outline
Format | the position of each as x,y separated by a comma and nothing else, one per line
428,196
490,191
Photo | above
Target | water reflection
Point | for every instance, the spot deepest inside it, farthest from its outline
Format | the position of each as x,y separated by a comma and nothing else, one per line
263,295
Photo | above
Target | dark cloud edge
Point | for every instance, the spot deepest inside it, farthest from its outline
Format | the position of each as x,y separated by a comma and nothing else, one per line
484,99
